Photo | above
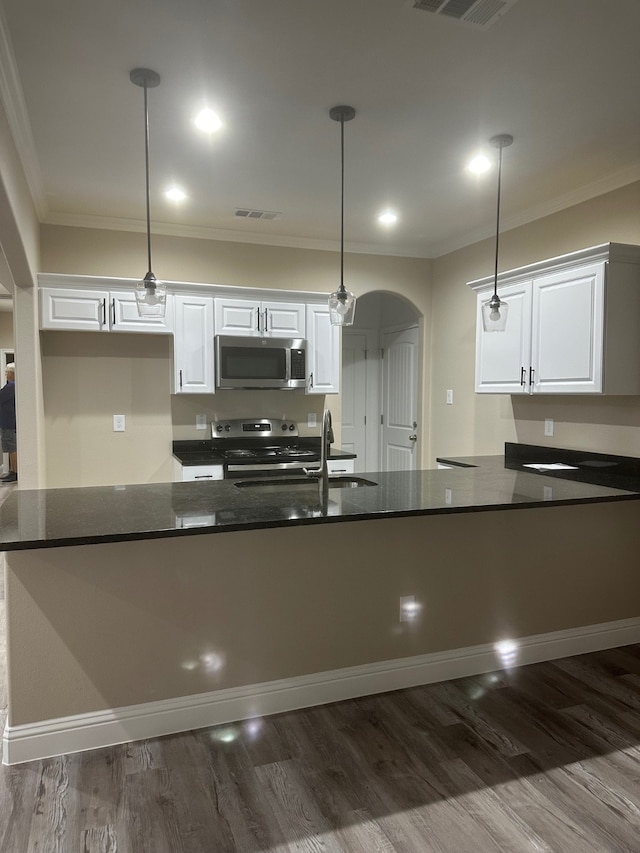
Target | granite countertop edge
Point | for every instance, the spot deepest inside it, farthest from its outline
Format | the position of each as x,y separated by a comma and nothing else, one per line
50,518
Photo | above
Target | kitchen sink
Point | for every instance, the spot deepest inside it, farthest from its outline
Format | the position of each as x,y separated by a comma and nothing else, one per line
305,482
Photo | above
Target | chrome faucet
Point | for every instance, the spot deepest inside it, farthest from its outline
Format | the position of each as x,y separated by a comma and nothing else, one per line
322,473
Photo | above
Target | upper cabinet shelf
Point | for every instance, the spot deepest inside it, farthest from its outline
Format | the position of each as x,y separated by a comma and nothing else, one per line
573,326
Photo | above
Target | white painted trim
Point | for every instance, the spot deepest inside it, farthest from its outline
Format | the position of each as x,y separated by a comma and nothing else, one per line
153,719
12,96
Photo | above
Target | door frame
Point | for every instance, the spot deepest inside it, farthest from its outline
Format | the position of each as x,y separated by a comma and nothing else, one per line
403,327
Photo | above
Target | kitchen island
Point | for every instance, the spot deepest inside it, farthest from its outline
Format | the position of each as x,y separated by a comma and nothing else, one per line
131,616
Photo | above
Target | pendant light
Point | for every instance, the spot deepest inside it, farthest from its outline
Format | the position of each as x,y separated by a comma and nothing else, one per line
342,303
151,294
494,312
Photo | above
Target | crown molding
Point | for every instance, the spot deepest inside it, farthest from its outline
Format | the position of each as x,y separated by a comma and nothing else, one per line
109,223
12,97
609,183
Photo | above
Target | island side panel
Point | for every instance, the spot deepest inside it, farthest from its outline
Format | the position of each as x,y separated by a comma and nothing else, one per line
104,626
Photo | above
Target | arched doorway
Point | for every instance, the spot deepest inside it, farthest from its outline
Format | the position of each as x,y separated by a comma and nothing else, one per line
381,358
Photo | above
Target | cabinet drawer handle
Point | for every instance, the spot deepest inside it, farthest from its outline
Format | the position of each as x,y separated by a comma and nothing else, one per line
203,477
523,376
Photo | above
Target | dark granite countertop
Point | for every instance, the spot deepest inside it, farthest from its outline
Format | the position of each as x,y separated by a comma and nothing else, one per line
54,517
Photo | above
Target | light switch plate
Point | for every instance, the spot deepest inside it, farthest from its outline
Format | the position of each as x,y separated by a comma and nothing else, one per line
449,396
118,423
312,419
201,421
548,426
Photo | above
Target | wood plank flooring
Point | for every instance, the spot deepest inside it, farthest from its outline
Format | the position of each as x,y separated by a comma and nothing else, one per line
541,758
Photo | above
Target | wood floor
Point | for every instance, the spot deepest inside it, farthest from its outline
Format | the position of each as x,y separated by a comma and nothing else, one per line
541,758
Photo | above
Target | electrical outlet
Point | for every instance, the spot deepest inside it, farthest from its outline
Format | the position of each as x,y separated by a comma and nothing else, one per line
548,426
201,421
450,397
547,492
312,419
118,423
448,496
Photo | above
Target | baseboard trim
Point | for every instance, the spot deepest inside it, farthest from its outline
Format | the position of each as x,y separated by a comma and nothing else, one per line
154,719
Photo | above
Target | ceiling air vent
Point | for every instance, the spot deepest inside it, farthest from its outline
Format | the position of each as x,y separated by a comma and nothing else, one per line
250,213
478,13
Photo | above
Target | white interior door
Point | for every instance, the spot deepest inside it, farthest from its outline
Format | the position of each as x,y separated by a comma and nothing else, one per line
400,400
354,396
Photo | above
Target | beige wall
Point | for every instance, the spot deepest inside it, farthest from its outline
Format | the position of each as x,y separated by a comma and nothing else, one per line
89,377
482,423
105,626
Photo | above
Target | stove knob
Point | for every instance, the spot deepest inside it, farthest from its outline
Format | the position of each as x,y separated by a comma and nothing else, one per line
219,428
284,427
227,427
292,427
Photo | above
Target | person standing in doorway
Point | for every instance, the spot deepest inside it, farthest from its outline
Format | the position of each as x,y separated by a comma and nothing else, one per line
8,423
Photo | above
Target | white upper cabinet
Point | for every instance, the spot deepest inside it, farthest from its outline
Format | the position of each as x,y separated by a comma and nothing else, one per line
573,326
268,319
94,310
323,351
193,366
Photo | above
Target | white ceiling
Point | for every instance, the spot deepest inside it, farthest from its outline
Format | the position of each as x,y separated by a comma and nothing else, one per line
562,77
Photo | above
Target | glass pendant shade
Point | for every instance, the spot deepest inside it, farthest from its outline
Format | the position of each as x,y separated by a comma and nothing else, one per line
494,314
151,297
342,307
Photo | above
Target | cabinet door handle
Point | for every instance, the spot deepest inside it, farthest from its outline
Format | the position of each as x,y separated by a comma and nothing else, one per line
310,380
113,311
104,313
523,376
532,373
180,374
265,320
258,313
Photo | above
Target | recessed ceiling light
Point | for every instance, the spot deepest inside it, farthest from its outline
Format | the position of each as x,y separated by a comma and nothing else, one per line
479,164
208,121
175,194
388,217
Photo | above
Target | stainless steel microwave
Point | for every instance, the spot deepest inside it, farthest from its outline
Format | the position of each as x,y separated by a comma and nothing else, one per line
260,362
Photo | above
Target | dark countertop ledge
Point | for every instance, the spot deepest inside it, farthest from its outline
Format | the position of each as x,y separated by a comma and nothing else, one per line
47,518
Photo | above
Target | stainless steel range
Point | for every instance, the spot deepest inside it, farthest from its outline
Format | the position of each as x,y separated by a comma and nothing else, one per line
261,447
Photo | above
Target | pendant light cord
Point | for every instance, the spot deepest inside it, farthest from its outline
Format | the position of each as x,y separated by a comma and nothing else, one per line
146,163
342,289
495,274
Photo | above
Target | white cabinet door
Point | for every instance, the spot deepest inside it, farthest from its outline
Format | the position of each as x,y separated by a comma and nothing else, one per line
98,310
341,466
503,359
323,351
193,345
273,319
193,473
237,317
85,310
124,315
568,331
284,319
